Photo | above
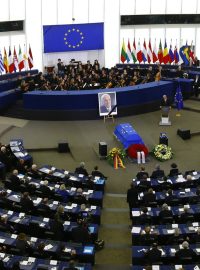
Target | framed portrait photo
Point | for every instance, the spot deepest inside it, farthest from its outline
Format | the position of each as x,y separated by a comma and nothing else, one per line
107,103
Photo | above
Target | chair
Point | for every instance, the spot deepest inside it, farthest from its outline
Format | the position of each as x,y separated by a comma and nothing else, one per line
152,204
15,251
186,260
49,235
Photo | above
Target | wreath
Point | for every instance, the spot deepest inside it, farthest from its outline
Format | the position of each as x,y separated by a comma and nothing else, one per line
162,152
116,157
138,147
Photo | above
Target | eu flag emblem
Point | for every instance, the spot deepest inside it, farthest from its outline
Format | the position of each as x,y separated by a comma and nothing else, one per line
73,37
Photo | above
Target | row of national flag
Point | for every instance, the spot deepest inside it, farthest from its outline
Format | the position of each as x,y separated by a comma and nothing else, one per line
12,62
164,55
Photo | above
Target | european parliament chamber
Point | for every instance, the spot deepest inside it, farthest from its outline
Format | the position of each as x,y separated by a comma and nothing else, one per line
89,177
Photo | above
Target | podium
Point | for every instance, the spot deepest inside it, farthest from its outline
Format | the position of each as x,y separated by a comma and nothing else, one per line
165,116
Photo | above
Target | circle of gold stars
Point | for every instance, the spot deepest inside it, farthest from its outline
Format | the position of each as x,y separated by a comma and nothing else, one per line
77,45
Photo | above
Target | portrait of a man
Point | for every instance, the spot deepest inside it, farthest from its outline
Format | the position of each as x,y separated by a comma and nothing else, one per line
107,101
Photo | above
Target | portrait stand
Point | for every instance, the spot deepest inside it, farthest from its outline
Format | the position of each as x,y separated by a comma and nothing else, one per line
110,115
165,116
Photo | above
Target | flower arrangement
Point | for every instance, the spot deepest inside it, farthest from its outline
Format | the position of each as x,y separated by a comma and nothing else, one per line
116,157
162,152
134,148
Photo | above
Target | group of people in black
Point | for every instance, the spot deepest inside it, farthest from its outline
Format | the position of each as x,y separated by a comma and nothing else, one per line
80,234
79,76
150,236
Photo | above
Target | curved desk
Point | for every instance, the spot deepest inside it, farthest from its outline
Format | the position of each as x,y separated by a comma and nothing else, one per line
74,105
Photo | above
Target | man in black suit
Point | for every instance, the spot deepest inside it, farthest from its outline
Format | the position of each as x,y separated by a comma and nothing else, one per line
174,170
46,191
132,198
157,173
144,218
26,203
170,197
97,173
80,233
15,181
34,173
141,173
144,184
149,197
185,252
186,215
81,169
165,212
153,255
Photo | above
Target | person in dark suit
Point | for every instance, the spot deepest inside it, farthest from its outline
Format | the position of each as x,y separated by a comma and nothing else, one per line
149,197
185,252
144,218
80,233
45,206
79,197
132,198
81,169
23,245
22,167
71,266
34,173
147,238
141,174
57,223
97,173
153,255
15,181
62,191
144,184
5,158
165,212
157,173
186,215
171,197
177,238
174,170
46,191
26,203
165,102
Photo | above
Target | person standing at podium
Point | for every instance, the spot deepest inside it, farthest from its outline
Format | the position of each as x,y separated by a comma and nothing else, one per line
165,102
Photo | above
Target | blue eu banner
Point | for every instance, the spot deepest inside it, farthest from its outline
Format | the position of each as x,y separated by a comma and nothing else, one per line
73,37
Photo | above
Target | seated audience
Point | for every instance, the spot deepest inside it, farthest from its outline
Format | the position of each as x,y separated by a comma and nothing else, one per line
144,218
40,252
177,238
170,197
186,216
144,184
79,197
81,169
46,191
57,223
22,167
44,205
157,173
147,237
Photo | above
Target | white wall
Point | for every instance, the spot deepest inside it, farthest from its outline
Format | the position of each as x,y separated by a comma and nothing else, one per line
39,12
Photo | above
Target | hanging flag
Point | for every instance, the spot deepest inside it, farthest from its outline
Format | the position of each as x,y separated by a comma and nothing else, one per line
15,60
176,55
184,54
155,57
191,54
178,98
25,56
10,62
30,58
150,53
139,53
144,52
1,63
171,54
5,61
165,54
20,59
128,53
134,56
160,53
123,53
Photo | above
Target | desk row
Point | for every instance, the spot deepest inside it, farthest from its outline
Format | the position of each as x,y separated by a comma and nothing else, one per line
166,234
46,249
156,215
48,207
37,226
